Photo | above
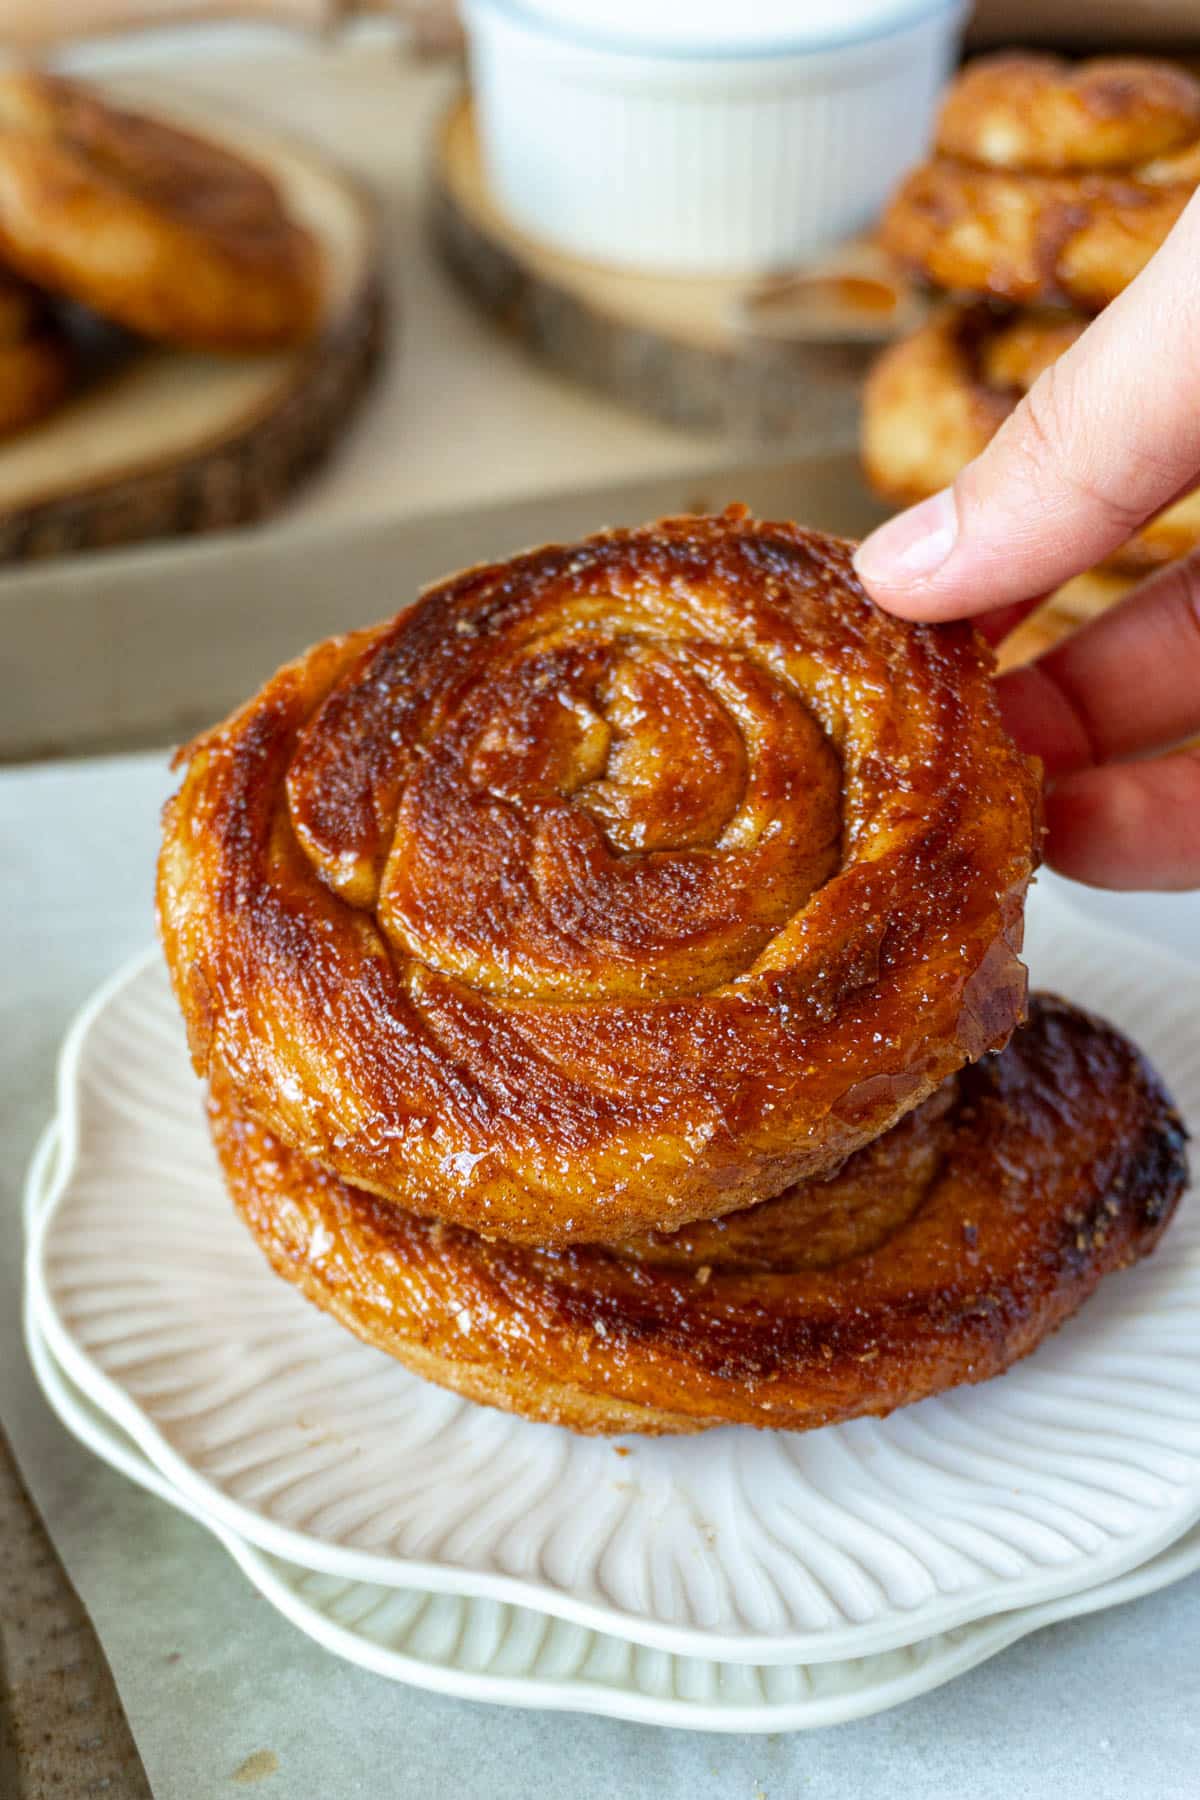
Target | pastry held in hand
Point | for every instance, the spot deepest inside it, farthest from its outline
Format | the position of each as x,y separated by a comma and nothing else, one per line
1050,180
152,227
613,887
939,1254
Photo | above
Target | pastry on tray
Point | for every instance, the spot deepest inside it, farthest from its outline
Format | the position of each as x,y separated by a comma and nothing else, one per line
1050,180
934,400
37,362
151,227
617,886
605,978
937,1255
1050,185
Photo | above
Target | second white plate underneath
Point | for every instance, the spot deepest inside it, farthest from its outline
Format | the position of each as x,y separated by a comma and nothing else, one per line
768,1547
488,1650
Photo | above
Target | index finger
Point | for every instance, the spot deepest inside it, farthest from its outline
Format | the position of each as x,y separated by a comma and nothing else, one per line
1108,435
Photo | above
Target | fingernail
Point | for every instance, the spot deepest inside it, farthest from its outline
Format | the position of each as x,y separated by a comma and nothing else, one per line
910,547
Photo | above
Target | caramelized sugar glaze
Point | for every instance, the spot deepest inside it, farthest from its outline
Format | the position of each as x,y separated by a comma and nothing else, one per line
152,227
934,401
1050,181
939,1254
613,887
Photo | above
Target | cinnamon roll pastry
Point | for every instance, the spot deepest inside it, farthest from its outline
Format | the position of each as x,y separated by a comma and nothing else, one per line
37,366
1050,181
938,1255
933,402
151,227
617,886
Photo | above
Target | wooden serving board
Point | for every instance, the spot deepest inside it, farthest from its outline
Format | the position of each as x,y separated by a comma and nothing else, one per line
62,1728
161,442
675,347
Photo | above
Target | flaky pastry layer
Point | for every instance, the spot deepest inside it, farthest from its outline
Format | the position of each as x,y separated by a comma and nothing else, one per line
613,887
938,1255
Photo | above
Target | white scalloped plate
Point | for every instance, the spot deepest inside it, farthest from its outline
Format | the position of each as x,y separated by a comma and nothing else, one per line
752,1547
481,1649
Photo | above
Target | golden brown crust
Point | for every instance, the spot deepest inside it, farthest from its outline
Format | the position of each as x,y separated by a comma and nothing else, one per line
1041,113
37,366
616,886
938,1255
933,402
151,227
1050,181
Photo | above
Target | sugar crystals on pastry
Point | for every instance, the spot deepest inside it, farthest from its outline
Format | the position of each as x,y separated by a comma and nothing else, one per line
939,1254
616,886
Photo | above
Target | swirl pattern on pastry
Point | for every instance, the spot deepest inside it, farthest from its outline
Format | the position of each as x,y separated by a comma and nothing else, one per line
612,887
37,364
1050,181
933,402
939,1254
152,227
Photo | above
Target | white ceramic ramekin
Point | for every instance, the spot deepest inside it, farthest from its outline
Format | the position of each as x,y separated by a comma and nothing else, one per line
698,151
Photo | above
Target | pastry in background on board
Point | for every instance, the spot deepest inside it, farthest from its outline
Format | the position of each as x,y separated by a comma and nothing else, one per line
152,227
1050,180
1050,185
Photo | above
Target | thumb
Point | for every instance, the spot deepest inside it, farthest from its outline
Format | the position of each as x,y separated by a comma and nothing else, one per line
1108,435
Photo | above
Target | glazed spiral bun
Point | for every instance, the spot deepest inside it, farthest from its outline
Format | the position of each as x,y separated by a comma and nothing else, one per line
937,1255
37,365
613,887
1050,181
933,401
150,226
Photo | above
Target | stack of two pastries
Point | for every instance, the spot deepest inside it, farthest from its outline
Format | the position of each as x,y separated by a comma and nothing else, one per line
1050,187
595,971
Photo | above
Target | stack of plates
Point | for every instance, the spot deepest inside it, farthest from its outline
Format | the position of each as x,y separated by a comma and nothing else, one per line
735,1581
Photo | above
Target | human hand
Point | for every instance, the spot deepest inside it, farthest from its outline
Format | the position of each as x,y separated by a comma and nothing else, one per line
1107,436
